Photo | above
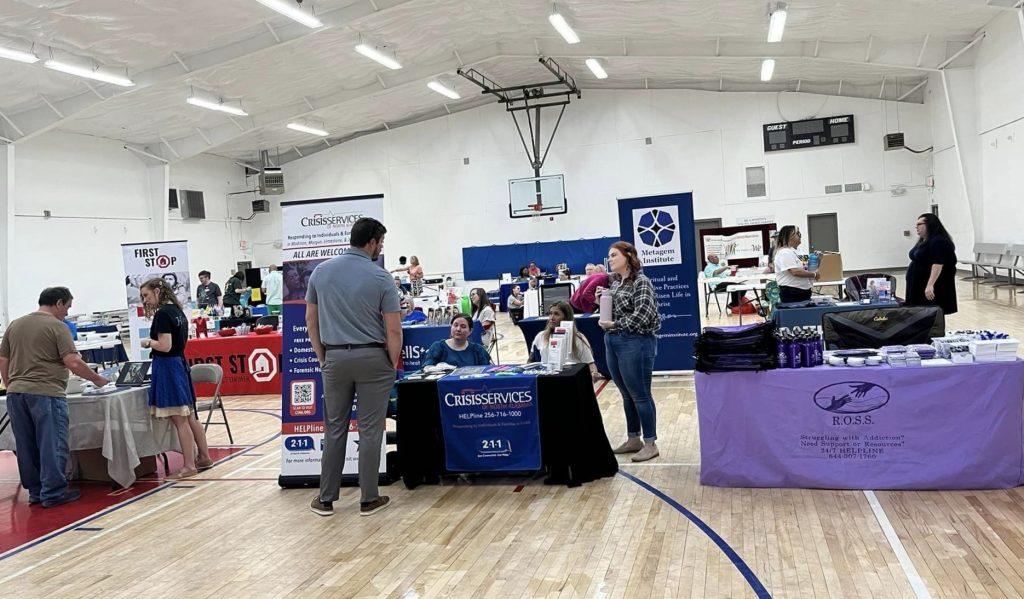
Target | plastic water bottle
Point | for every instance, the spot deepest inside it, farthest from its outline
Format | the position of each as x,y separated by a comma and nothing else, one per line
605,304
783,349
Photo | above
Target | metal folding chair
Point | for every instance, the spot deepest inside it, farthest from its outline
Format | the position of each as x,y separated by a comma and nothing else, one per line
211,373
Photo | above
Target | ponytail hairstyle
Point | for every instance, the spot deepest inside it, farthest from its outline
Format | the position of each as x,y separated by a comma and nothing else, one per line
785,233
165,294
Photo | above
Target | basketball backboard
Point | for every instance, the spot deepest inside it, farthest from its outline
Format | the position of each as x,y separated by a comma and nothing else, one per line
536,196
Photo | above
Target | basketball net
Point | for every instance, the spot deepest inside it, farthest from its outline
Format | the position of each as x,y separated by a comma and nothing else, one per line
538,210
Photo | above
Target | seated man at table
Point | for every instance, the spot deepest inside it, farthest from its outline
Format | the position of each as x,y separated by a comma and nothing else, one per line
458,350
712,271
584,299
35,356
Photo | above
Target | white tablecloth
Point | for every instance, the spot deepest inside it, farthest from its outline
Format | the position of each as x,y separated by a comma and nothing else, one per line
119,425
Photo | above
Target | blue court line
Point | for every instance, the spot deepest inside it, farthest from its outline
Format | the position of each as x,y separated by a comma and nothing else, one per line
729,552
114,508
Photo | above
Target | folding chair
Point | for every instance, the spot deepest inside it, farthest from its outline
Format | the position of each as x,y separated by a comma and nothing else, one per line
211,373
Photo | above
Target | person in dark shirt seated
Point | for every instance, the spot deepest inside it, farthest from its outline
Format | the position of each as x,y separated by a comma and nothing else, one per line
458,350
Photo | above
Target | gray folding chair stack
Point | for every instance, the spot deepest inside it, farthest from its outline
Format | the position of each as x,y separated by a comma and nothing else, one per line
211,373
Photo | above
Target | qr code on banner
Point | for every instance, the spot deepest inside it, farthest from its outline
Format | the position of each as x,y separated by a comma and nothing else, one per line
302,393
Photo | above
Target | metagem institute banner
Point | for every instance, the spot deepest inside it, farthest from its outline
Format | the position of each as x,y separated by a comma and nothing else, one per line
167,260
313,232
661,228
489,422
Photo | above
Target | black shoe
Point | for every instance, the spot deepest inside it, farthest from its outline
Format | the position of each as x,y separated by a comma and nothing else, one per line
34,500
68,496
367,508
322,508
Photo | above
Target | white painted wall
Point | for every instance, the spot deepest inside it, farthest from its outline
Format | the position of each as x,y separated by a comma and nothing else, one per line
999,81
702,141
101,196
214,242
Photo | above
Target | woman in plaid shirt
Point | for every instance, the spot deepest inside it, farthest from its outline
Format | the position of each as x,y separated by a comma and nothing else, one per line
631,346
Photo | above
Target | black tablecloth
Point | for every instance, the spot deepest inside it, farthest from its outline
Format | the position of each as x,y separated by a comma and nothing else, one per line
574,446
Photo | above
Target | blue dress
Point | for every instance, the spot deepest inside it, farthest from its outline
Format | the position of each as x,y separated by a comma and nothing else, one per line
170,391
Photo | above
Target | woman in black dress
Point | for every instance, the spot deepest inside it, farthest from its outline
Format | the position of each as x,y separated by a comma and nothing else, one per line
931,276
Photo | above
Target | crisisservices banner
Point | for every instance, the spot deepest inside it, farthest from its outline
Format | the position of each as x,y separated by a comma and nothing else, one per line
313,231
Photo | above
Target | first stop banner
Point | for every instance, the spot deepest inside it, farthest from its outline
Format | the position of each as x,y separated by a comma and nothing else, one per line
313,231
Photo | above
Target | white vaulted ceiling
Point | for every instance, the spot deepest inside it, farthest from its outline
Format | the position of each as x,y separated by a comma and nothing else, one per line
282,71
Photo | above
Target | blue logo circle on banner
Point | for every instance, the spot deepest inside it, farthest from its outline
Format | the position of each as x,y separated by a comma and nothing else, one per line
656,228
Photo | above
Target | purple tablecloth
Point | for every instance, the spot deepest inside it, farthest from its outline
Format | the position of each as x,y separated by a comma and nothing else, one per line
946,427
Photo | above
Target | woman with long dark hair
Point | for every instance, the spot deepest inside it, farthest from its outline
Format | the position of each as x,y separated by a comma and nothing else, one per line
579,352
170,393
931,276
631,346
458,350
794,280
483,310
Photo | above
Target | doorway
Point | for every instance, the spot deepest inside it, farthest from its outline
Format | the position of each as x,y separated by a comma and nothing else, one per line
698,226
823,232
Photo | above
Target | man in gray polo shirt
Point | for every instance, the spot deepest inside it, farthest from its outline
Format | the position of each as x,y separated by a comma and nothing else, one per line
354,321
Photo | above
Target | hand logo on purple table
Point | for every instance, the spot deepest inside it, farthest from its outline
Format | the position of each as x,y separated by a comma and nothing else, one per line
851,397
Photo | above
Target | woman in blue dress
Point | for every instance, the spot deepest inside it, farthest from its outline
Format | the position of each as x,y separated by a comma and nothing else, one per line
170,393
458,350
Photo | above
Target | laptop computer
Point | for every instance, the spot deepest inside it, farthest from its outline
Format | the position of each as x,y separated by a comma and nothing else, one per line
133,374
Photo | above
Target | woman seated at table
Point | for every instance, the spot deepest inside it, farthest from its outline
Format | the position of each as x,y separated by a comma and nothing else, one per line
458,350
579,350
524,274
516,303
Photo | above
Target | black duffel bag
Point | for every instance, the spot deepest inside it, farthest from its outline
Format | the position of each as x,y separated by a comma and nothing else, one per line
878,327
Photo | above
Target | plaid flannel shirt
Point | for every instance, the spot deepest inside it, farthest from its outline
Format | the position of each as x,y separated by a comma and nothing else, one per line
635,306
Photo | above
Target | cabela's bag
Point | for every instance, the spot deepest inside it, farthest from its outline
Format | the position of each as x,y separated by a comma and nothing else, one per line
878,327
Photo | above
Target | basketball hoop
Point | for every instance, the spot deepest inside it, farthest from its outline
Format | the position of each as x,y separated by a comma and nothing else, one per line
536,211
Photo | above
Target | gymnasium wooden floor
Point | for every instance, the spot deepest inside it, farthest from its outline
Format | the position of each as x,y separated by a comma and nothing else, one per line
233,533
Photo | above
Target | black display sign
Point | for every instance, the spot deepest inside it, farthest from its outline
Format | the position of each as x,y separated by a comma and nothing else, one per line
811,133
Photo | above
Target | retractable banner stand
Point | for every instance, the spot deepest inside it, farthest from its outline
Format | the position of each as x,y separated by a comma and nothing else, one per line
144,261
661,228
313,231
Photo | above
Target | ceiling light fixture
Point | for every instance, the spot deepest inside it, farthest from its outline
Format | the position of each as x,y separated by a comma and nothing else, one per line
561,25
88,73
219,106
595,67
18,55
767,69
777,22
444,90
375,54
307,129
293,12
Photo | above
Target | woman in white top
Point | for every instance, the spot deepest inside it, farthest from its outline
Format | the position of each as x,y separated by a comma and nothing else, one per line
579,350
483,311
794,281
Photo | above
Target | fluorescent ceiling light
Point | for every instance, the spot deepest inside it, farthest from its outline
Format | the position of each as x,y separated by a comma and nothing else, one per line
444,90
218,106
71,69
777,23
376,55
595,67
18,55
767,69
563,28
292,11
307,129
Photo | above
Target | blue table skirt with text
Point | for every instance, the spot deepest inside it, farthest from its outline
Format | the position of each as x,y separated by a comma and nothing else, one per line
489,422
587,324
